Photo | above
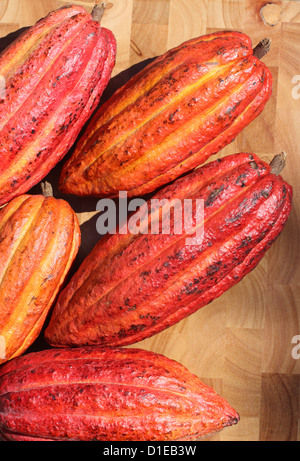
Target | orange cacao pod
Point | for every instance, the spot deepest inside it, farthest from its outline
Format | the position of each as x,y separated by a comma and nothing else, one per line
112,394
183,107
39,239
54,74
135,284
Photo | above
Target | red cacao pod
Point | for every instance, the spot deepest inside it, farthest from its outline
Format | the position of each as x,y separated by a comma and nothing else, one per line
183,107
112,394
133,285
54,74
39,239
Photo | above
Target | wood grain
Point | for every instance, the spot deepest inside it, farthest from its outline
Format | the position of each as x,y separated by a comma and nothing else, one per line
241,344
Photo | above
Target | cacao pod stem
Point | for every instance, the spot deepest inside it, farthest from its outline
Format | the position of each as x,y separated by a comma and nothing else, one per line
47,190
262,48
278,163
98,12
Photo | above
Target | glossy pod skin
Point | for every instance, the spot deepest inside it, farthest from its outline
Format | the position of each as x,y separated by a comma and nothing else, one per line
134,285
54,75
39,239
168,119
106,394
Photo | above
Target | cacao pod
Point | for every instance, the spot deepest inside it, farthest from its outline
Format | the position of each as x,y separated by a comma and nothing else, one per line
112,394
135,284
168,119
54,75
39,239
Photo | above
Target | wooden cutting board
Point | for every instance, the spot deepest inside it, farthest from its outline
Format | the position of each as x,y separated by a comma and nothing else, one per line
243,344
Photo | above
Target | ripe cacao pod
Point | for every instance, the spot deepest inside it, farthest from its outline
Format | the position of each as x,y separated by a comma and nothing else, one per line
39,239
54,74
135,284
113,394
168,119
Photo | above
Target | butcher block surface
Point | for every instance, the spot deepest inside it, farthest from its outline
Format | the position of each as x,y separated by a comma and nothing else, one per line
243,344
